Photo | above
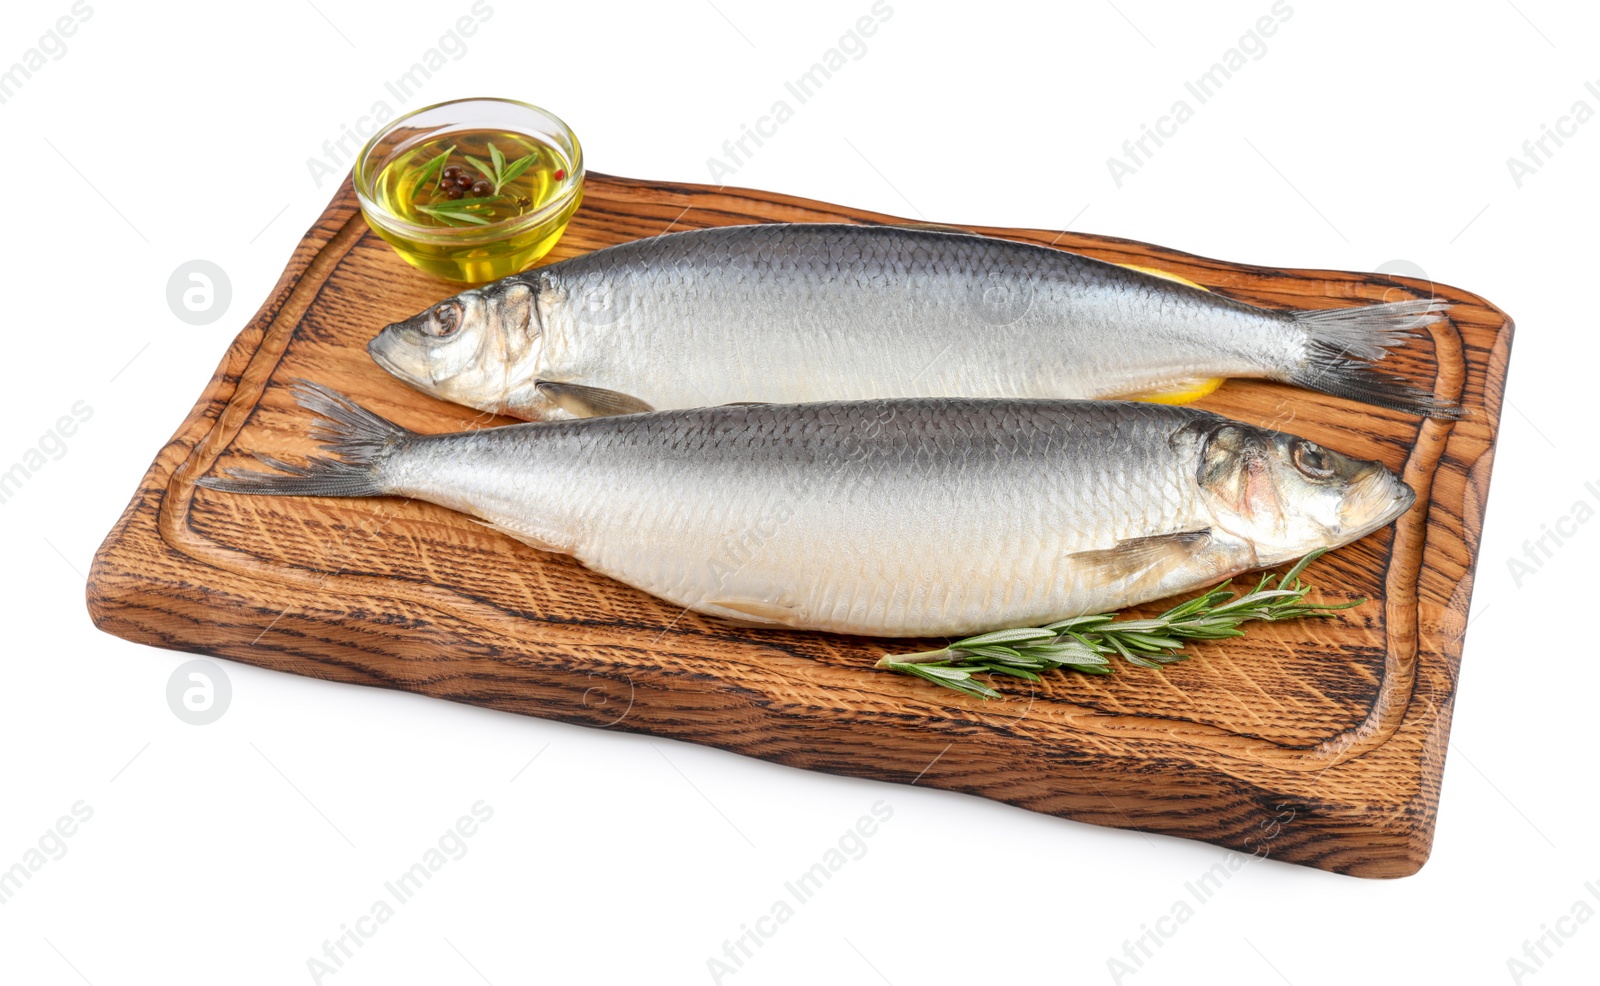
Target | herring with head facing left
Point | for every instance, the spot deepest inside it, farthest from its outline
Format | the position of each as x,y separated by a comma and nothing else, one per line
799,312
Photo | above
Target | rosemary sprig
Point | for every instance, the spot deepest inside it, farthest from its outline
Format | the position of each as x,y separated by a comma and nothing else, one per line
1087,644
496,171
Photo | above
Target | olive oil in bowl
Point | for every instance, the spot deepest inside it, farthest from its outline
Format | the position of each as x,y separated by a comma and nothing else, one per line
471,203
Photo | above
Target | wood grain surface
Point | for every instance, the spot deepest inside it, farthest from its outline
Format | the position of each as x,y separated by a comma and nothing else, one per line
1316,742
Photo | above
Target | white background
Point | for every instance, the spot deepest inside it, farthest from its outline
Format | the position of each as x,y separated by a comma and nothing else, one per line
1367,133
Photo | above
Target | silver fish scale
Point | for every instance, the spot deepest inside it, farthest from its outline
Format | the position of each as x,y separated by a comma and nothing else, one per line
880,517
691,318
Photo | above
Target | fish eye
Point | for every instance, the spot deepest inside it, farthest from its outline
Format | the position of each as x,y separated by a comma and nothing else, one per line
1312,459
443,319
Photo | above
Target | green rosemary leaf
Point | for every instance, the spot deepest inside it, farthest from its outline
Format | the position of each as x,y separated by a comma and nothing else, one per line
499,161
455,205
1215,633
434,167
1120,647
1193,606
1087,640
1002,637
1336,607
949,674
515,169
989,652
1167,657
1293,574
457,212
1069,652
1022,660
959,680
483,167
1016,672
1127,626
1149,641
1090,668
460,217
979,689
1257,598
1081,622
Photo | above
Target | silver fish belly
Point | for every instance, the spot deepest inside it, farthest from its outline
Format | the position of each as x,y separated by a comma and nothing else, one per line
820,311
886,518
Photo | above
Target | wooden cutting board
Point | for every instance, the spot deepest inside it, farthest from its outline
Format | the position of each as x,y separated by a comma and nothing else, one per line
1316,742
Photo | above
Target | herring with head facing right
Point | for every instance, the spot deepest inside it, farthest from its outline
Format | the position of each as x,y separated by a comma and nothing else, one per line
898,518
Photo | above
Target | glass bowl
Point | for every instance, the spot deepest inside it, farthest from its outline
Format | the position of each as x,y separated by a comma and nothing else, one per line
472,252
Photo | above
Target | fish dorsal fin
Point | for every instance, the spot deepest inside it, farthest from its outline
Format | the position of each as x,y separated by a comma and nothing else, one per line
938,228
1141,560
1181,392
583,401
758,611
747,403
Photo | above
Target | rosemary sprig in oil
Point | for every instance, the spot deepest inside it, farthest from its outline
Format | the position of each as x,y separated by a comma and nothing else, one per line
497,172
433,177
459,211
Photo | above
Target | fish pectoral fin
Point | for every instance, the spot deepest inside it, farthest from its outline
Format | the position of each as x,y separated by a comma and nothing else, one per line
1137,560
1182,392
529,539
582,401
759,611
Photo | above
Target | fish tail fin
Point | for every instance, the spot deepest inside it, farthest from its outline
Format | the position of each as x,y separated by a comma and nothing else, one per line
361,442
1342,344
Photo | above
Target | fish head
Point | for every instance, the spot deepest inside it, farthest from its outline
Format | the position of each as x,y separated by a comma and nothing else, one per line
470,348
1288,496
